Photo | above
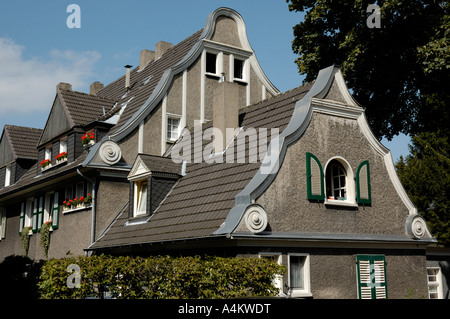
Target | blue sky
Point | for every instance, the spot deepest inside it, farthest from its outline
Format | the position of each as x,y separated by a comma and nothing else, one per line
38,50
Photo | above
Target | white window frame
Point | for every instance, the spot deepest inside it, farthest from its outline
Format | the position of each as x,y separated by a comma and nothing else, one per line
435,284
278,280
306,290
63,145
219,63
350,199
48,153
8,175
172,117
28,221
137,210
244,60
48,207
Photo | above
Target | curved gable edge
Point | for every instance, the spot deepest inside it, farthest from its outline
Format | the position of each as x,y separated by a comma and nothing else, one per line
168,75
297,125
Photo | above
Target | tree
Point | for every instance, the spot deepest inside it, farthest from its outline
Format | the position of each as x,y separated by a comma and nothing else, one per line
398,72
425,175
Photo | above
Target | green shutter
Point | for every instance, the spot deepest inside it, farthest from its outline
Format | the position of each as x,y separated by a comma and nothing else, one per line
22,217
371,277
363,192
34,216
40,212
314,178
55,211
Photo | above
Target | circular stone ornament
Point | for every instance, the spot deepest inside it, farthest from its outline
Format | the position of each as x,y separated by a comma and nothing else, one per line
255,219
110,152
416,227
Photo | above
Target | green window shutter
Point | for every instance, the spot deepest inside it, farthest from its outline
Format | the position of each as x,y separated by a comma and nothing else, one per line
34,216
40,212
314,178
55,211
22,217
363,192
371,277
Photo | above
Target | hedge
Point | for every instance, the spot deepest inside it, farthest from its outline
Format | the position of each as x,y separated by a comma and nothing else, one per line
165,277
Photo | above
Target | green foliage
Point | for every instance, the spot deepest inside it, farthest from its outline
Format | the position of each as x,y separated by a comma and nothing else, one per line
45,237
425,174
25,238
397,72
161,277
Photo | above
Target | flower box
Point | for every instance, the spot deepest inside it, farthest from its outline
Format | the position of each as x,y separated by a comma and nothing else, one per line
88,139
45,164
61,157
77,203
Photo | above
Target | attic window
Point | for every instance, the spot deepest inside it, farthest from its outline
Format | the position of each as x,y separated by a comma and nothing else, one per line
211,63
140,197
238,69
8,175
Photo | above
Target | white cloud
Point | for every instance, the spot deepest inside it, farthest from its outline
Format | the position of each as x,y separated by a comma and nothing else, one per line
29,85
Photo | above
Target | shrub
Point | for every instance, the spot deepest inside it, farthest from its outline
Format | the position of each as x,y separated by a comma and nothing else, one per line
161,277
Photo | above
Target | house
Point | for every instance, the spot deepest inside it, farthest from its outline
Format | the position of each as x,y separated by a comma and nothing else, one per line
196,152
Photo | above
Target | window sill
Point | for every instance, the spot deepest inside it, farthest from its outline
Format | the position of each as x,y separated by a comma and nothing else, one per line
240,81
76,209
301,294
212,75
50,166
338,202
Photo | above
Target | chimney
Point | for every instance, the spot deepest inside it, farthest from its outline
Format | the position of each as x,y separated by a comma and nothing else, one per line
225,112
95,87
161,47
63,86
127,76
145,58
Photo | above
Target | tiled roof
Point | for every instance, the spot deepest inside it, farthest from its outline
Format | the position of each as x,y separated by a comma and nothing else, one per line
160,164
84,108
143,82
201,200
23,140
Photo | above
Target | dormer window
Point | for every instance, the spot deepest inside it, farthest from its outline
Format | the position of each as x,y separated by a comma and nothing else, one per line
140,197
48,153
63,145
8,175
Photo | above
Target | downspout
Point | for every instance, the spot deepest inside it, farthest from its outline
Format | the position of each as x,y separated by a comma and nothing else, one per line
93,206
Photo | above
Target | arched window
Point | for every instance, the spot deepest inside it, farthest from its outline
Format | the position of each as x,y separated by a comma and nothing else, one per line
336,181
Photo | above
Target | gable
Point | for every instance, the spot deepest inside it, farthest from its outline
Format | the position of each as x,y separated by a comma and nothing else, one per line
58,121
6,154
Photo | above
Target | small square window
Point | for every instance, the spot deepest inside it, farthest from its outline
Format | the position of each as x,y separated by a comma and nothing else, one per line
211,63
173,128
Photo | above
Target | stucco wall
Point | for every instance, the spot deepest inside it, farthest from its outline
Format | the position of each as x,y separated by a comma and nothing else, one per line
286,200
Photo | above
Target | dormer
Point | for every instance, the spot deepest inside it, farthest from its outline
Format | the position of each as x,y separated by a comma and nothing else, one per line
70,126
17,152
151,179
